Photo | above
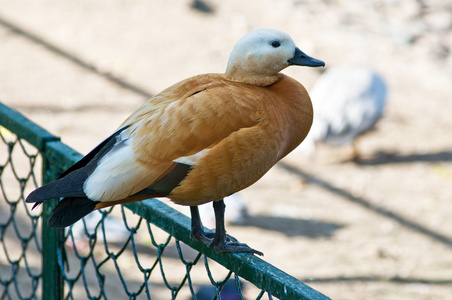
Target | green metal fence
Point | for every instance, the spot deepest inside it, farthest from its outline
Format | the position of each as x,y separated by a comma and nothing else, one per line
135,251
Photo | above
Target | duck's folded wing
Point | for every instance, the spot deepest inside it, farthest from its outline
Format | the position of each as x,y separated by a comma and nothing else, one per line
172,128
159,145
141,158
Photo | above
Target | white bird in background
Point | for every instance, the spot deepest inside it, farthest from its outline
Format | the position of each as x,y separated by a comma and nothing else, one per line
347,101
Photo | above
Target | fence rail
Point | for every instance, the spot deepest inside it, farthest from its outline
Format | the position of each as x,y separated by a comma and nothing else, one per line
89,261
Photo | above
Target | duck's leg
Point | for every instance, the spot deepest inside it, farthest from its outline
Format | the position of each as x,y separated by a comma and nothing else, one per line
199,233
197,229
222,242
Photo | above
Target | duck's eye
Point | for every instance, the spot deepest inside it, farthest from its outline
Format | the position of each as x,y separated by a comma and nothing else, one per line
275,44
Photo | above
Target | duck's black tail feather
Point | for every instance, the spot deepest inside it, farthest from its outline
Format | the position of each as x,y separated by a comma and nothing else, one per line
69,210
69,186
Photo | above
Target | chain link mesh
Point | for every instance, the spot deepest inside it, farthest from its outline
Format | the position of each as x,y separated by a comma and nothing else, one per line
20,249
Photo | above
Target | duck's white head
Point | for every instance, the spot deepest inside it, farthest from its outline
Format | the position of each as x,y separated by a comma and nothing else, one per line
259,56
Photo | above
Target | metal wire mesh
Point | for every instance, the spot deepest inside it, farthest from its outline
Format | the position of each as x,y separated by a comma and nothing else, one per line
137,261
20,241
126,252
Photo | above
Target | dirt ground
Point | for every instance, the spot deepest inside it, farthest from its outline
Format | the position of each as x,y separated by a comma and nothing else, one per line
380,228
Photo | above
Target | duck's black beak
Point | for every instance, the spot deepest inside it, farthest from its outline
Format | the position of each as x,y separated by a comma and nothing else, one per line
301,59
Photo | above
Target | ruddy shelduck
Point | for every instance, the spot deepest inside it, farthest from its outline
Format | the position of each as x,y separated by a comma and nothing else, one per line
197,141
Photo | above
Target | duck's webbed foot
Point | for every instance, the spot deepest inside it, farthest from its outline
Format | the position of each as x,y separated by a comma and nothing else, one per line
217,238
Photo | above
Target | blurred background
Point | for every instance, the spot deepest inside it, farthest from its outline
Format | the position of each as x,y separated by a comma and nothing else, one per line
365,221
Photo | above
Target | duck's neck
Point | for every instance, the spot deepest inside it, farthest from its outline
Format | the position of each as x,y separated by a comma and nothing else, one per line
235,74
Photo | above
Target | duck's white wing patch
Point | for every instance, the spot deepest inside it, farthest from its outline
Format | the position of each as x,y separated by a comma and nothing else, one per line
118,174
192,159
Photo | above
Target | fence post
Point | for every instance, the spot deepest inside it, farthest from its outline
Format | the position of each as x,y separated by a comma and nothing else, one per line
52,278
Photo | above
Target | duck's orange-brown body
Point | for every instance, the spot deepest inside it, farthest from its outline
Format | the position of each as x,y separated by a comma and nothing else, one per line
243,130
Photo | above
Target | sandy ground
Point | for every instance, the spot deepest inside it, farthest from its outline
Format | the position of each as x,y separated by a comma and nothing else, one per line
376,229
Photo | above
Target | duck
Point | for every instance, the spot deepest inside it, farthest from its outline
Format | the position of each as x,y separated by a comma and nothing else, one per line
198,141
